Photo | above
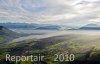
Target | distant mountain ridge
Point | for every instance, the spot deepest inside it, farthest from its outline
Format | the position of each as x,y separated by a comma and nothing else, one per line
31,26
34,26
49,27
90,27
18,25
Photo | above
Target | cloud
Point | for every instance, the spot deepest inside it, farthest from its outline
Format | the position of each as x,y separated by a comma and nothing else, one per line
76,12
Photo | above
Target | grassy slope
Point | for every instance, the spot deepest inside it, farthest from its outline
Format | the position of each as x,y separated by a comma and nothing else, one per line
82,47
2,39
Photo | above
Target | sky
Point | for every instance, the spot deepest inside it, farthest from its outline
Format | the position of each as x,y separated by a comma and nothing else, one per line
64,12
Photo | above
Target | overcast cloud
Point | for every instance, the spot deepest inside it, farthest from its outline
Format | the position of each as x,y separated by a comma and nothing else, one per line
67,12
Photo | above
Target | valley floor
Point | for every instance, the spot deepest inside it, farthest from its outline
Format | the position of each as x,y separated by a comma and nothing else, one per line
85,45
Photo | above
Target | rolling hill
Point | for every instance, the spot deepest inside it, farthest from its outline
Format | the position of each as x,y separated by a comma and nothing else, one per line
85,53
6,34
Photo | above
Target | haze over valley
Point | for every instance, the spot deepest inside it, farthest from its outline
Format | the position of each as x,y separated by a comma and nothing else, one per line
66,28
84,43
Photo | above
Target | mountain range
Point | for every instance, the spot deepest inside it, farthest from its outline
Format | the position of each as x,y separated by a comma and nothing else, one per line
90,27
32,26
48,26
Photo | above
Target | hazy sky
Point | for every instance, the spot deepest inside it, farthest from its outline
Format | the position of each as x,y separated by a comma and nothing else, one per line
67,12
